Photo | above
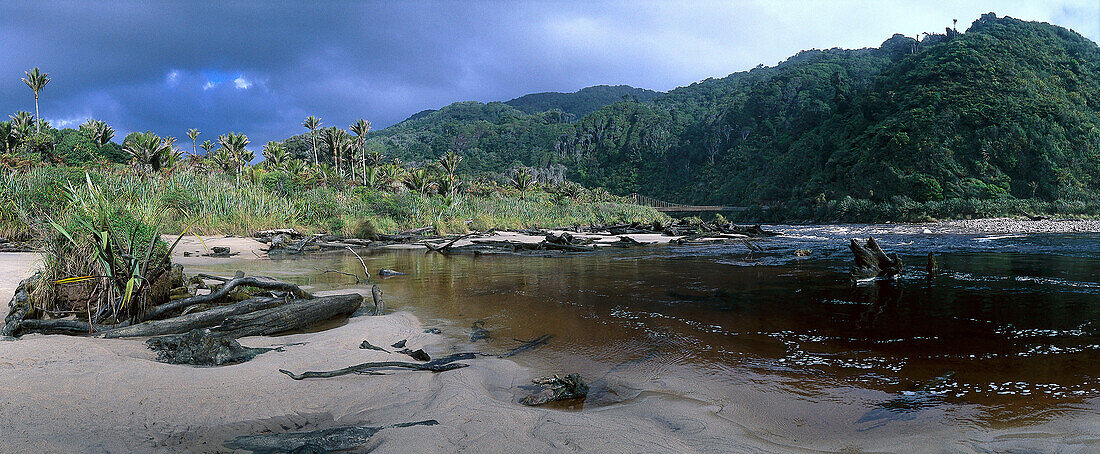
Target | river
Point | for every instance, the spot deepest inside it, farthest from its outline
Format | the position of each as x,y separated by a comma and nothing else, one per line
1001,344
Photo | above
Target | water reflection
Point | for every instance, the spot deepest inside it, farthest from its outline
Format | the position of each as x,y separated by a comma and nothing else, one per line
1007,326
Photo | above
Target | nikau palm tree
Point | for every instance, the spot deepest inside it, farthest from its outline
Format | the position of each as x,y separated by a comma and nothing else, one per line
360,129
234,146
148,151
98,132
37,80
7,135
336,139
523,179
448,183
193,134
21,123
312,123
275,154
207,146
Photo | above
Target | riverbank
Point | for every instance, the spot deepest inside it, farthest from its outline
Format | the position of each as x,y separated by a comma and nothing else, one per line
116,398
111,395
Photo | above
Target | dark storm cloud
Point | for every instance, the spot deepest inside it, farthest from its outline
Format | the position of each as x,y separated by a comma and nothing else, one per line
261,67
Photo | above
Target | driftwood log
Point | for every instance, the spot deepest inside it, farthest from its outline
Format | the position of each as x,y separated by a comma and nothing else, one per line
237,281
871,262
379,304
19,307
185,323
297,314
438,365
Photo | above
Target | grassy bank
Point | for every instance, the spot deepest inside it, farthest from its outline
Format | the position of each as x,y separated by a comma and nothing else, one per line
217,204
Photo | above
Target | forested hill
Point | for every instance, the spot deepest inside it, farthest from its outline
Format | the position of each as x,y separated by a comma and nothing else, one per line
1006,110
582,102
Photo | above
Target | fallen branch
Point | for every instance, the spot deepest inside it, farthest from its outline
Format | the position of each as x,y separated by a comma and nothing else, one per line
528,345
361,262
439,365
356,276
250,281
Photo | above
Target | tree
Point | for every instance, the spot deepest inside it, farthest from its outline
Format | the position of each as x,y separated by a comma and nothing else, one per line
147,150
275,154
523,179
98,131
449,162
360,129
337,140
170,154
7,136
207,145
21,123
37,80
418,180
193,134
312,123
234,146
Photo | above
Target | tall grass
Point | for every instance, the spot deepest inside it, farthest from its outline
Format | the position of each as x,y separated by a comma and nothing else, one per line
218,205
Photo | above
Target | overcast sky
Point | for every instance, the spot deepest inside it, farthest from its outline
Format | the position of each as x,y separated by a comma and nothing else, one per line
261,67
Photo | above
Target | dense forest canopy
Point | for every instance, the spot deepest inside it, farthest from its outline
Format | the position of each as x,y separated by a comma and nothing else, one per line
1007,109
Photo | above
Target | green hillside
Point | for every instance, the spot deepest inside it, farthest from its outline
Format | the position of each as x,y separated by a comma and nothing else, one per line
581,102
1007,110
1004,112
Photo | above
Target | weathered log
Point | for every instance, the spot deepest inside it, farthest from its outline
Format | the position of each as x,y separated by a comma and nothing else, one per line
273,232
185,323
72,327
553,388
872,262
250,281
446,247
379,304
20,306
439,365
562,247
325,440
296,314
200,347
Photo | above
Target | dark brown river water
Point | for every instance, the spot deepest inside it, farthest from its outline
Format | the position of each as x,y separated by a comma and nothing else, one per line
1005,337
